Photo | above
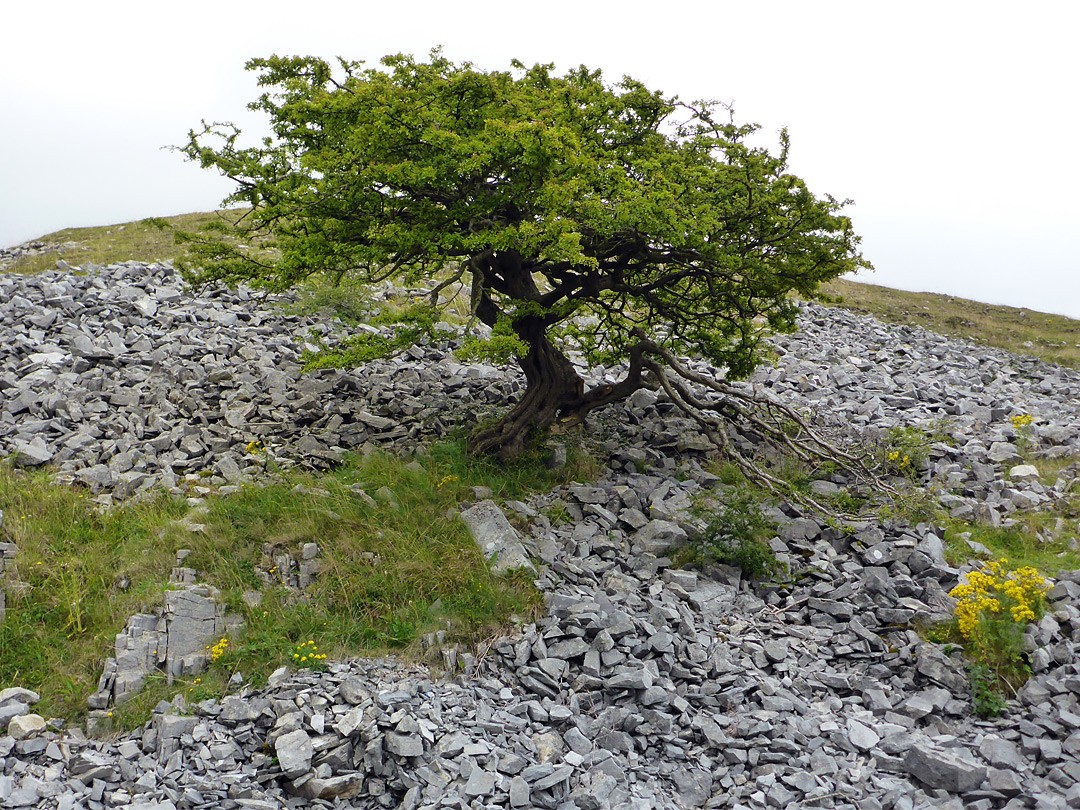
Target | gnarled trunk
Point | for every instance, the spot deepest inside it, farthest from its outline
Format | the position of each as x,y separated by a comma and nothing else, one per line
552,387
554,392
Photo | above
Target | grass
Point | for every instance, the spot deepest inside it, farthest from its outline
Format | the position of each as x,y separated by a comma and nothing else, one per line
1053,338
140,241
1040,538
1019,543
391,570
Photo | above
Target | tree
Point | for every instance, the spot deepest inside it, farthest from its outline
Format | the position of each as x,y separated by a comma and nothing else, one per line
640,226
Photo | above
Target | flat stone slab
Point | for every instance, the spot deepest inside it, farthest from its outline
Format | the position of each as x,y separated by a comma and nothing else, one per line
942,769
496,537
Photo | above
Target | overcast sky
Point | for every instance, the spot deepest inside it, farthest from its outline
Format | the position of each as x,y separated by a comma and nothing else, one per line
952,125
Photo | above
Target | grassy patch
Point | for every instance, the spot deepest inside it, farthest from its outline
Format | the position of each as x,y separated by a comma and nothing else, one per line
1045,539
140,241
346,300
1020,543
1053,338
395,563
76,576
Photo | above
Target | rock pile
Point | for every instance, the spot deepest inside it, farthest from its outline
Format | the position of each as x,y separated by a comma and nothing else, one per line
123,381
645,686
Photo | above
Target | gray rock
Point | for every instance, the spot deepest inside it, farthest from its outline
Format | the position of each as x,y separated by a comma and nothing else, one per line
294,752
344,786
25,725
481,783
1001,753
593,790
943,770
18,693
353,690
519,792
861,736
33,453
658,537
496,537
404,745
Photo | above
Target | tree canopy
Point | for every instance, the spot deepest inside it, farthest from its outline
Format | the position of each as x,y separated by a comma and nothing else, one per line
570,208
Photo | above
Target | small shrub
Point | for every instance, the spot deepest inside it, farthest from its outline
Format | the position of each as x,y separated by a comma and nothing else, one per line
737,536
993,608
1021,423
307,655
729,473
218,650
906,451
847,502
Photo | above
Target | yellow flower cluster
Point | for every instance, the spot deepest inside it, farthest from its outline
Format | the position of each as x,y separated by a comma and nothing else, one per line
449,479
255,448
898,461
1021,420
218,649
308,653
988,591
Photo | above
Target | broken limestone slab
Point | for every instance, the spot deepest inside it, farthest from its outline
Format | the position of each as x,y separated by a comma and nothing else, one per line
942,769
658,537
33,453
496,537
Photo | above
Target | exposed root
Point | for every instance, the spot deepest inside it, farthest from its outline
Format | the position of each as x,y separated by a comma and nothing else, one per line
754,412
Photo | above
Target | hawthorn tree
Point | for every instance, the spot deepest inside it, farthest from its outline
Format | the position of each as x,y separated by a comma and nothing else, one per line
641,227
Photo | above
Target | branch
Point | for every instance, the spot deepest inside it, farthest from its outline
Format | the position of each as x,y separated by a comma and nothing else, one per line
758,412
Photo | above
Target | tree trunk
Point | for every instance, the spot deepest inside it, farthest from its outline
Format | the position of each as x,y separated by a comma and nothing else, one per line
554,391
552,386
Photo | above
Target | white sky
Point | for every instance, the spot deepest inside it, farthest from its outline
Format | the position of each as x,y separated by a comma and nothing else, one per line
952,124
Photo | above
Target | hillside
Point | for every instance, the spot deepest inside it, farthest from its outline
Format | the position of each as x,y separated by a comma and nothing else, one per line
675,638
1053,338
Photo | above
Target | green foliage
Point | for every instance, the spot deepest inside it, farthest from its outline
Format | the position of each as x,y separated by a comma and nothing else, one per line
737,536
986,698
410,323
907,448
845,501
563,200
503,344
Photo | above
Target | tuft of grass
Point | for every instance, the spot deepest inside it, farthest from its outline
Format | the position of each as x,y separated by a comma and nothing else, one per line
1023,543
346,300
1053,338
391,569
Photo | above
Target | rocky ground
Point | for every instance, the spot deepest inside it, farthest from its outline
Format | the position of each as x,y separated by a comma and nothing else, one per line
644,686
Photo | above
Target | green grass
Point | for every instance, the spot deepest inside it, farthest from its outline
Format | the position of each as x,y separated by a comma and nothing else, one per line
139,241
1019,544
391,571
1053,338
1025,541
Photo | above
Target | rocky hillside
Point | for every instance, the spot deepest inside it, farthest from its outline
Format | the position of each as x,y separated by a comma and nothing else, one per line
644,685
